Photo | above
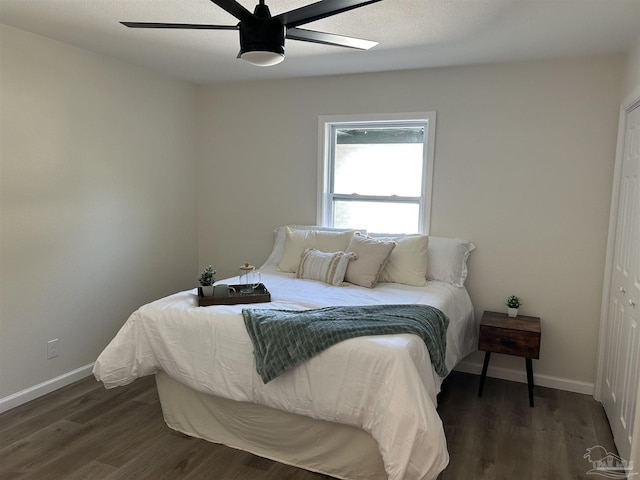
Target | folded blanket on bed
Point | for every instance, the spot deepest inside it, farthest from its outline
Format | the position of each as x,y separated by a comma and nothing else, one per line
283,339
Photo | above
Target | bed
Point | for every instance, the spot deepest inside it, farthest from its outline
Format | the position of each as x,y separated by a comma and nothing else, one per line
364,408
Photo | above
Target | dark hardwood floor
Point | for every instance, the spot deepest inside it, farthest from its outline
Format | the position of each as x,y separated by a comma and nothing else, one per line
86,432
500,437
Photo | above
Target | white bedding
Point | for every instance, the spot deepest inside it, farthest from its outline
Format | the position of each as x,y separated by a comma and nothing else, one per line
383,384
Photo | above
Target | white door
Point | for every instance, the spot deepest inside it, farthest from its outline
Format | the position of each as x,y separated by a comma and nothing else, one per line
620,356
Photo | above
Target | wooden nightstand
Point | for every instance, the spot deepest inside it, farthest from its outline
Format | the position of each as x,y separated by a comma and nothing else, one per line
519,336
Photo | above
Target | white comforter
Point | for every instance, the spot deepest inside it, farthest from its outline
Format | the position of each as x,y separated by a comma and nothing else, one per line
383,384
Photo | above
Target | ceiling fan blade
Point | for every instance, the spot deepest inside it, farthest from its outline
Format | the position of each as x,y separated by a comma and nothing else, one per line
235,9
319,10
329,39
185,26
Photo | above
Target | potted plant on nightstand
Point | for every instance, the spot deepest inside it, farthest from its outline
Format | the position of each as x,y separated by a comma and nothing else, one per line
513,303
207,278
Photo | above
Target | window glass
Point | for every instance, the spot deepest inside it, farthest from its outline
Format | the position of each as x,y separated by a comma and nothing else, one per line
379,169
377,172
380,217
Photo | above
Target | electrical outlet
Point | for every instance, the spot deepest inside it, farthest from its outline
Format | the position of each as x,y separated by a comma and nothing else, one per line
52,348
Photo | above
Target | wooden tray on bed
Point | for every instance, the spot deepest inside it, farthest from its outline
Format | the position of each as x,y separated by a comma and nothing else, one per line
260,295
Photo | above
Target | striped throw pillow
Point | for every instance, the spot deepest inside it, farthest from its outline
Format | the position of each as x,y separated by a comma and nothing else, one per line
325,267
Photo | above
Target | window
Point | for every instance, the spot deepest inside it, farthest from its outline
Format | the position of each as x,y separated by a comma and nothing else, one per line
376,172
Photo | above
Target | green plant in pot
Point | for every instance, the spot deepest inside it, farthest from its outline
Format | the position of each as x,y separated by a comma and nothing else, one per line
207,279
513,304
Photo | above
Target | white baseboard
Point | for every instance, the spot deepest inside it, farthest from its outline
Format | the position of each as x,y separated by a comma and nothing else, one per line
31,393
521,376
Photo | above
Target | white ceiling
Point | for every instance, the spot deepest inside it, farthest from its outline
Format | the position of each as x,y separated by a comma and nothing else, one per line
412,33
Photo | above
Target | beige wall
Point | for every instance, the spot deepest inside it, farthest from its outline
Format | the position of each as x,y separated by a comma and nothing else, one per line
632,70
523,168
98,205
97,202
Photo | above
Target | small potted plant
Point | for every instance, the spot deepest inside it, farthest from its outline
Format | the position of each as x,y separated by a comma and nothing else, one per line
206,279
513,303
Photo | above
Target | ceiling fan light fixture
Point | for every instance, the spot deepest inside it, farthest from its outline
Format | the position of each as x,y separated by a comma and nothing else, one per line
262,41
262,58
262,36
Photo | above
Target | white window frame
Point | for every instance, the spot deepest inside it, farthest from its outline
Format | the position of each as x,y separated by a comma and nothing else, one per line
325,174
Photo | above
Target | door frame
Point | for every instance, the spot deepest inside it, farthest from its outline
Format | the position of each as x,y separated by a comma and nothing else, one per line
629,103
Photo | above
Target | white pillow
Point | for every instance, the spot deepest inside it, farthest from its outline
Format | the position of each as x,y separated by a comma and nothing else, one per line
408,261
297,241
280,235
372,256
448,260
325,267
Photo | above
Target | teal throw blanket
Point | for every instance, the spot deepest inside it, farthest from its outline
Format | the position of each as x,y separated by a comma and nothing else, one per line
283,339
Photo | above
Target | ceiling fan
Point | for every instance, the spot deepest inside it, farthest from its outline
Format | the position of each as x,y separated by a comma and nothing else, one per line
262,36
